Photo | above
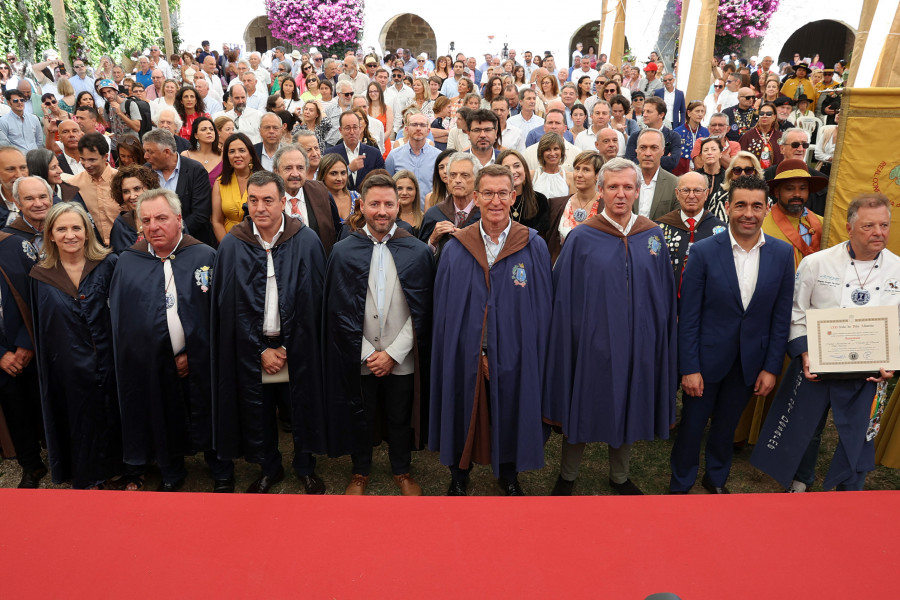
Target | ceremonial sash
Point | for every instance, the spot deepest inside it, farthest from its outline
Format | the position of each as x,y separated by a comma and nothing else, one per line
793,236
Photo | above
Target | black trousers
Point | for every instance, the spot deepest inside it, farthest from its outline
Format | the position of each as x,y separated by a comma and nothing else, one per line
21,402
394,395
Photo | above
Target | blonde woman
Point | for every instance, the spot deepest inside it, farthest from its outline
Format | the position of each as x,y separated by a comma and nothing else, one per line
74,352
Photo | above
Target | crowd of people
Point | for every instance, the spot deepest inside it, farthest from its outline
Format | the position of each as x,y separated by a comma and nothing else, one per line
201,249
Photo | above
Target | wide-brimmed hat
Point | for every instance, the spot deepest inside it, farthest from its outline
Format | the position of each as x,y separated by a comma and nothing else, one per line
794,168
802,98
801,65
782,101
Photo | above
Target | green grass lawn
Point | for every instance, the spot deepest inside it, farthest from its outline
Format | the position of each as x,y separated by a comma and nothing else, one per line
649,470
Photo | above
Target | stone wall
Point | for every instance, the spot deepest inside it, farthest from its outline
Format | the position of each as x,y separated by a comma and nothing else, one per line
410,32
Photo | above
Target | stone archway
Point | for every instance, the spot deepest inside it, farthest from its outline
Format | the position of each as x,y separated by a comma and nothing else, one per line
410,32
587,34
257,36
831,40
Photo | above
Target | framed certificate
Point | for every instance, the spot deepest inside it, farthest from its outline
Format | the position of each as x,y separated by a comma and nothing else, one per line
853,341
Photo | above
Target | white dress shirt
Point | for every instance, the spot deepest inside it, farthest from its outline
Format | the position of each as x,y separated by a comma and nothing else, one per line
491,248
351,156
624,230
646,199
173,321
296,206
746,265
271,314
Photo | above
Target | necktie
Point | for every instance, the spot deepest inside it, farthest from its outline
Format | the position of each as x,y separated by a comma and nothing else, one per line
295,209
691,221
461,218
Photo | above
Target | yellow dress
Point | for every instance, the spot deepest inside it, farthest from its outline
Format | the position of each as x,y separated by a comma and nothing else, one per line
232,202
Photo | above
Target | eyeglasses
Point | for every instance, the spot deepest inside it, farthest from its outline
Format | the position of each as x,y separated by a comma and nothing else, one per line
50,102
318,59
490,195
346,94
17,100
668,80
718,87
767,114
743,171
695,191
421,61
747,97
422,125
480,130
350,128
396,76
798,144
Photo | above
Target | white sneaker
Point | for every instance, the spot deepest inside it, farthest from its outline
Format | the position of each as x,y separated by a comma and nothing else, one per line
797,487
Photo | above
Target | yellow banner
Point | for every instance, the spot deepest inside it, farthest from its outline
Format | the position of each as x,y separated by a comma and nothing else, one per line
866,159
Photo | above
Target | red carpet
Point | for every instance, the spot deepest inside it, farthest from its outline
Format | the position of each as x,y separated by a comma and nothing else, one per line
75,544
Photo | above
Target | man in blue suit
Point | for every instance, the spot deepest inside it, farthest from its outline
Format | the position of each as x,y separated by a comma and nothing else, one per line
674,100
735,314
361,159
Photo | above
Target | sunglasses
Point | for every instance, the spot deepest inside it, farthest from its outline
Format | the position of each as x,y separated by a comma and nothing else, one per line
17,100
743,171
318,59
747,97
346,94
397,76
798,144
767,114
50,102
718,87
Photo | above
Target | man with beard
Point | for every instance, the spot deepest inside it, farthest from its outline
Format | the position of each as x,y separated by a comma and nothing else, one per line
306,199
789,219
794,143
482,126
160,295
742,116
375,359
266,323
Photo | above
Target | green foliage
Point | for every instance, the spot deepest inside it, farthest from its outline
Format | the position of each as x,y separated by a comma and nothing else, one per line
13,34
96,27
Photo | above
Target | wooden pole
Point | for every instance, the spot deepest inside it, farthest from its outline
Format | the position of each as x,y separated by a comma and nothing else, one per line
887,72
617,49
62,30
867,13
166,27
704,46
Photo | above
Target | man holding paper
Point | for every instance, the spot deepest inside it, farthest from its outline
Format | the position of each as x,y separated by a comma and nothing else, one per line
858,273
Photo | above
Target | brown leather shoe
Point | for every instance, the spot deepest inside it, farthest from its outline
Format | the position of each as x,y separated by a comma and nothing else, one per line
407,485
357,485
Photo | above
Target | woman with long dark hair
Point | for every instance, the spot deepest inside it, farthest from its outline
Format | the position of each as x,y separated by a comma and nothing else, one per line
531,208
229,194
205,147
189,106
439,179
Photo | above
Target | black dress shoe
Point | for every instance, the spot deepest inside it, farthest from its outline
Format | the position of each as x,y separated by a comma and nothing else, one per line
224,486
562,487
265,483
627,488
32,479
312,484
285,426
510,487
711,488
458,487
170,487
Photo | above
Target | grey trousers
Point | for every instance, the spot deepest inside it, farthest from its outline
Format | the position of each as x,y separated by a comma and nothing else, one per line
619,459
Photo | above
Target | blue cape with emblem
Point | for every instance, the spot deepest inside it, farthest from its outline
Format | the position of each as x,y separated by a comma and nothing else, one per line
611,372
509,306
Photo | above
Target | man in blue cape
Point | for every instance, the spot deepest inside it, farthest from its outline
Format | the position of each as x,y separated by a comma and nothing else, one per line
266,323
611,375
492,316
159,305
377,335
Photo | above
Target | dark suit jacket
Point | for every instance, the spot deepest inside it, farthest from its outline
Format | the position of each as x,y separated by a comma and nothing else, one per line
664,200
64,164
714,327
679,115
372,157
671,154
324,218
182,144
195,193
